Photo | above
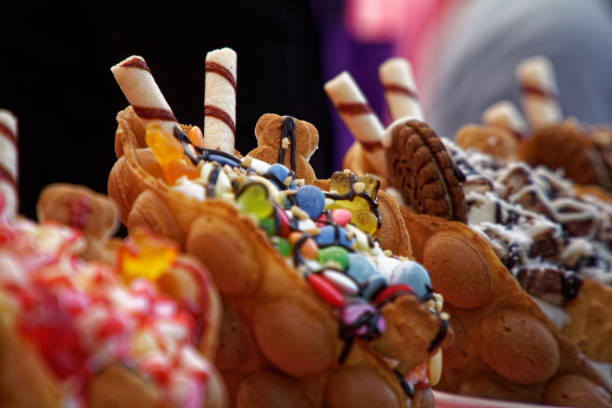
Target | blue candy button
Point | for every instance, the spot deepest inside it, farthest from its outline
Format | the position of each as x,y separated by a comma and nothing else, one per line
280,172
413,274
360,269
310,199
375,284
333,235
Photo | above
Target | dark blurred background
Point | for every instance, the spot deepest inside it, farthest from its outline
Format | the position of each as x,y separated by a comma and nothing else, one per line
55,76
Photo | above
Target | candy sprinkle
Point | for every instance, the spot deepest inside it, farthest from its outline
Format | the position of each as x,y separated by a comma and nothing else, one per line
325,290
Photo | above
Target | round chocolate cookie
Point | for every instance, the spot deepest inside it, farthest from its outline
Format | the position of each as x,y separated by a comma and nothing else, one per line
423,171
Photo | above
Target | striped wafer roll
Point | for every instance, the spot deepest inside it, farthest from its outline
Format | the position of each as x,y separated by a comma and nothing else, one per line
400,89
139,87
354,110
505,114
220,100
9,192
536,77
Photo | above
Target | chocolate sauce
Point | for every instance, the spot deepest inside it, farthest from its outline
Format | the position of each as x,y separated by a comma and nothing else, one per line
349,332
459,175
356,108
288,130
570,285
219,69
136,62
537,91
4,130
395,88
212,180
149,113
513,257
439,337
350,196
223,116
407,387
5,175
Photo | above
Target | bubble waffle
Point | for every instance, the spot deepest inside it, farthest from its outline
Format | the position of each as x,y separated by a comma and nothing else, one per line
504,347
85,333
314,310
460,248
295,328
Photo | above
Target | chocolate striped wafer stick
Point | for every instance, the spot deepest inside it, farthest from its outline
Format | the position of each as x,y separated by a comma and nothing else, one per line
505,114
139,87
220,100
536,77
354,110
400,89
9,191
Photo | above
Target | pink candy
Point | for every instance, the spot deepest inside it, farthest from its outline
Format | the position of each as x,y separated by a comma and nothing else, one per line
341,216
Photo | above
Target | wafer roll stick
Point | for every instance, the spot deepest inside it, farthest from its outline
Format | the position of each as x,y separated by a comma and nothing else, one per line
220,100
354,110
139,87
400,89
9,194
539,91
505,114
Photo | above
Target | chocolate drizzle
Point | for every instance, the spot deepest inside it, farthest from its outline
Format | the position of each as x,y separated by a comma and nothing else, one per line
219,69
149,113
439,337
223,116
353,108
4,130
537,91
350,196
212,180
5,175
136,62
395,88
349,332
407,387
288,130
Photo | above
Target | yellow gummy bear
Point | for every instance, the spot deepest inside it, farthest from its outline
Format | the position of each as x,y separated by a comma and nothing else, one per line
144,255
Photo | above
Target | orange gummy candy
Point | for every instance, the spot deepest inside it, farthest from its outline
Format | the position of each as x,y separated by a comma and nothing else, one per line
196,136
169,153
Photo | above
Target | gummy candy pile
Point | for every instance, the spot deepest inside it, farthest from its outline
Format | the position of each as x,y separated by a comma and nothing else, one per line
326,236
81,318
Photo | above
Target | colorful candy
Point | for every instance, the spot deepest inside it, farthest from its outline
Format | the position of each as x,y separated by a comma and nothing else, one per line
311,199
334,255
196,137
391,291
361,215
333,235
375,284
341,216
253,199
354,311
325,290
413,274
359,268
280,174
284,247
341,281
144,255
169,153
